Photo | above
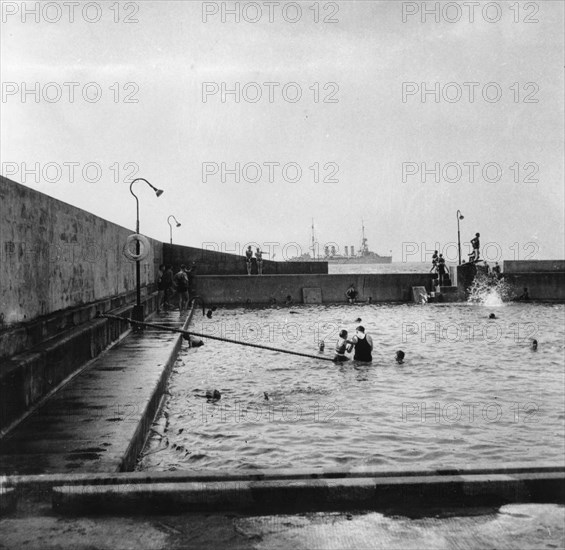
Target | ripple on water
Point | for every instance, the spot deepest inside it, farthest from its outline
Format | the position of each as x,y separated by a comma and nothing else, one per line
453,402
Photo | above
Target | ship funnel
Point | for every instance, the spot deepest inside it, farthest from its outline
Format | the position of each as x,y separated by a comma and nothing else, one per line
346,251
352,250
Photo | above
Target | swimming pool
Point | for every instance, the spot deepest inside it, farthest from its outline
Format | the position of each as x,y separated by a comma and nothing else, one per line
471,392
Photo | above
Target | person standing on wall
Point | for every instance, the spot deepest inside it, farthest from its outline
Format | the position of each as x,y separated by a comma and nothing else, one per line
248,258
259,258
441,269
475,243
434,262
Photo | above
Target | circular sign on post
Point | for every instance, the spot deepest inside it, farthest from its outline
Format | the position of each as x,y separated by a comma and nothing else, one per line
144,247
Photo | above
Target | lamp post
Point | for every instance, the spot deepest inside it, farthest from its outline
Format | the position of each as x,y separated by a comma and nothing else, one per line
138,314
459,217
171,227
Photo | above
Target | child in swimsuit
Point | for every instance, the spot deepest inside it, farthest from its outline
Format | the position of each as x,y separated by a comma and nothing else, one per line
340,347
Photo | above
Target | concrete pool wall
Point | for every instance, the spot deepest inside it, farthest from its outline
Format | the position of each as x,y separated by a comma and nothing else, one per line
59,265
212,262
383,287
544,279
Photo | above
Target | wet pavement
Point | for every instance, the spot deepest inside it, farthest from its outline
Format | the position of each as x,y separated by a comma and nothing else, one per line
90,424
524,526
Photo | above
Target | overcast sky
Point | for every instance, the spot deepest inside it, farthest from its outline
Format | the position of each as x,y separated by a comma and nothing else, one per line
369,130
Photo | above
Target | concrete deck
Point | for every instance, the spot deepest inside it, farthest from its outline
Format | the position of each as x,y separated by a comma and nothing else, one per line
524,526
99,420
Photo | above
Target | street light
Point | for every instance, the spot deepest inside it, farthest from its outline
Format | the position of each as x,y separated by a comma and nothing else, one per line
171,227
459,217
137,313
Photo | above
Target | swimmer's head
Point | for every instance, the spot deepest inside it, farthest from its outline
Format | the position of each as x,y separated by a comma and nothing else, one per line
534,345
322,345
360,332
492,316
399,356
343,333
477,234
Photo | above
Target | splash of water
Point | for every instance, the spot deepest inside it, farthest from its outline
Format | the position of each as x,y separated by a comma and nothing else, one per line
489,291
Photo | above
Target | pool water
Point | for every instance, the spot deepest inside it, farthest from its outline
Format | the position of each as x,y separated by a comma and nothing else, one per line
471,391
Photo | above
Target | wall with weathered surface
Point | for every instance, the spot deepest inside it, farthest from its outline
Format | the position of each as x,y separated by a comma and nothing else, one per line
210,262
533,266
54,256
545,287
218,289
543,284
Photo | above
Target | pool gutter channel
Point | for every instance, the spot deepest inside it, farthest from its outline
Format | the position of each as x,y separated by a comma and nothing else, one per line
285,491
399,493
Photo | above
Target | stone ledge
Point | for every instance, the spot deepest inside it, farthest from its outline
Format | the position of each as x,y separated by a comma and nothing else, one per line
310,494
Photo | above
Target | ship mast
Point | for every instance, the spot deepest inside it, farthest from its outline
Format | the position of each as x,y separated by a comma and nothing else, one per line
364,247
313,247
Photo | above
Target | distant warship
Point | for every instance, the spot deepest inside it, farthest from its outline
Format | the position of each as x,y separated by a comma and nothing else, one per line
330,255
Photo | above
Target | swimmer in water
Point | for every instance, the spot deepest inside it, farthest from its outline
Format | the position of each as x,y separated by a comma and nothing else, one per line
341,347
400,357
534,345
213,395
322,345
193,342
492,316
363,344
525,295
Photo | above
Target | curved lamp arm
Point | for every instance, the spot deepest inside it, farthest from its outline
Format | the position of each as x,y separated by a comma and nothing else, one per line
171,227
158,192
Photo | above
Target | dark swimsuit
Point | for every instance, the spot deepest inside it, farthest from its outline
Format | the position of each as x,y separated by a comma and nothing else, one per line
362,350
340,352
